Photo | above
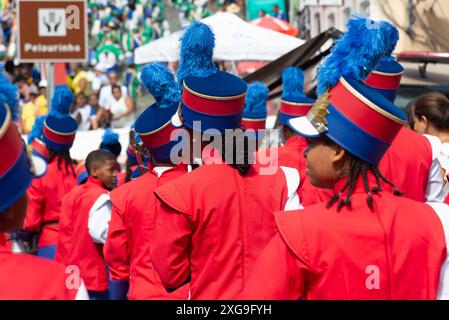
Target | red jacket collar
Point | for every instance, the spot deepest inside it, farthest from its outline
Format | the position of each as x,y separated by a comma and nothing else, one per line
93,181
359,187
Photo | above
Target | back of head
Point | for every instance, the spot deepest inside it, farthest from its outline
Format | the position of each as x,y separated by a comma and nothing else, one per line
98,158
435,107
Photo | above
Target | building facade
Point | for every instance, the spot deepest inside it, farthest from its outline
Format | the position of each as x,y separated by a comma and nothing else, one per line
422,23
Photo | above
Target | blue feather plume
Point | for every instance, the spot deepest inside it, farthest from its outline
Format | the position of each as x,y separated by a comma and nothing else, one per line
197,50
256,98
393,40
9,94
356,53
61,102
110,137
37,129
159,81
293,82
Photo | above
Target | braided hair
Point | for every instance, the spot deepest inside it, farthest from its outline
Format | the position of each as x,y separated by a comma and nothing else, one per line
241,153
62,156
359,168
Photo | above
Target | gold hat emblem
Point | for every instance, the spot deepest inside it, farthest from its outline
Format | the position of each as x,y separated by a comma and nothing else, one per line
317,115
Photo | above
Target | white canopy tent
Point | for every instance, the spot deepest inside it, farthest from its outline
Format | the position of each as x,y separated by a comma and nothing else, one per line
236,40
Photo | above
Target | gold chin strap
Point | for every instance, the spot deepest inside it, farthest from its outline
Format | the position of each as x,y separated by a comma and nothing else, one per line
317,115
140,151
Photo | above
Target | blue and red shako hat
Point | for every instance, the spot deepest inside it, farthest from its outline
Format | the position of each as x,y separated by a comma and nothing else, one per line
17,169
157,125
38,147
110,141
215,98
59,127
294,103
386,77
255,112
356,117
81,174
350,113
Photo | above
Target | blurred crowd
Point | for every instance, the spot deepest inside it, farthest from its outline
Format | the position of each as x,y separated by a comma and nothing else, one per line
106,89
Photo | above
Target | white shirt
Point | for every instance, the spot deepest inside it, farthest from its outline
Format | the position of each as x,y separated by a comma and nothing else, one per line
434,191
442,210
87,113
292,179
99,217
443,159
106,98
118,108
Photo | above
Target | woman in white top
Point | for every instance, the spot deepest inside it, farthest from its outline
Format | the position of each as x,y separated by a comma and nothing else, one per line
429,114
121,108
84,113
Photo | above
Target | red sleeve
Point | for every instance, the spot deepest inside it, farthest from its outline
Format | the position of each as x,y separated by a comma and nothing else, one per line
116,247
171,246
36,204
65,228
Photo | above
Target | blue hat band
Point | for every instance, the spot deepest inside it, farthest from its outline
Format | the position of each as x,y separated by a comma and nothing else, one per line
284,118
15,182
389,94
354,139
220,123
82,177
163,152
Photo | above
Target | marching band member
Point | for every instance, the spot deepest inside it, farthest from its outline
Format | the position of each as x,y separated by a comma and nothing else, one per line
45,194
83,223
132,227
410,151
22,276
294,103
214,221
349,129
255,112
430,115
110,142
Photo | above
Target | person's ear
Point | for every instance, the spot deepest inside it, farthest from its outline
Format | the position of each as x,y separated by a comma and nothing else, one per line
425,122
93,171
338,154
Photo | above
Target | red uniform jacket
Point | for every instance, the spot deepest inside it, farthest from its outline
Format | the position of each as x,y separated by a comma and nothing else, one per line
25,277
406,163
5,245
44,202
291,155
75,244
392,252
131,234
121,176
212,226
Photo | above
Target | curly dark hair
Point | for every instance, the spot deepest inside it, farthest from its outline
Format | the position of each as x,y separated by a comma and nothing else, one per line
62,156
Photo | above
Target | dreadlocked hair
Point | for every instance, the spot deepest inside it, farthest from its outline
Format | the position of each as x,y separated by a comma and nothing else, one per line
357,168
242,156
62,156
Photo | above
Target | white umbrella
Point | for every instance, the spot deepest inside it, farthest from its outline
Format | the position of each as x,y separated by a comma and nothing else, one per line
236,40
